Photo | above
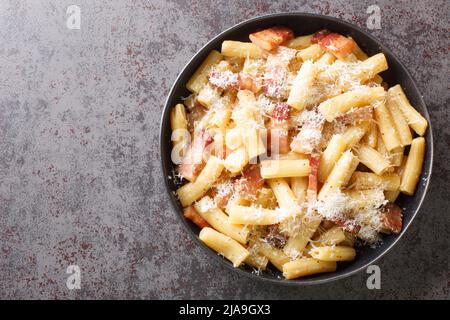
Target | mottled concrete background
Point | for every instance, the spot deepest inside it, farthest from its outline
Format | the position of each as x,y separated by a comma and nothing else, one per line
80,180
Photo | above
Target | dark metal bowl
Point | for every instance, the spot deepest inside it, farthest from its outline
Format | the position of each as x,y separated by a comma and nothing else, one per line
302,24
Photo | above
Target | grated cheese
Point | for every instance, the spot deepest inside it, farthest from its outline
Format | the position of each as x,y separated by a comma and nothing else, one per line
276,72
310,134
223,79
206,203
334,206
368,215
364,213
224,188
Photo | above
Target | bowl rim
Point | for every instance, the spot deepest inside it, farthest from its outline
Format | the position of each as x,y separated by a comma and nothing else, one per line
281,281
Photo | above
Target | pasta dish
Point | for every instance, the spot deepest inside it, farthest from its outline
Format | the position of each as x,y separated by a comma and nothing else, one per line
293,150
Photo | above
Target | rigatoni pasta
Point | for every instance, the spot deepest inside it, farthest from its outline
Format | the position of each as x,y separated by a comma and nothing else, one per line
200,78
372,66
415,120
413,167
313,52
372,159
293,150
333,253
333,236
274,255
307,266
399,120
242,50
255,216
387,128
271,169
224,245
219,220
301,42
336,106
303,84
284,195
368,180
192,191
331,155
299,185
179,126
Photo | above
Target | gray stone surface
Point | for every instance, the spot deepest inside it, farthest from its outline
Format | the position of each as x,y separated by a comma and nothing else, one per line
80,181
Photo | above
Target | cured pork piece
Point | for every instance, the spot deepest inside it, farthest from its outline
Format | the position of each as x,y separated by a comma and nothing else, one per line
391,218
250,182
335,43
192,163
192,214
270,39
279,129
311,192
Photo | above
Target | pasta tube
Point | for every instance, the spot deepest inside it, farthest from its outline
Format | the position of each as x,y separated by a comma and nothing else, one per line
370,67
257,261
334,107
224,245
371,136
413,167
331,237
399,120
299,185
354,134
236,160
340,174
242,50
297,242
233,138
372,159
302,86
333,253
284,168
219,220
193,191
331,155
284,194
387,128
415,120
313,52
238,214
275,256
366,180
307,266
180,133
301,42
200,77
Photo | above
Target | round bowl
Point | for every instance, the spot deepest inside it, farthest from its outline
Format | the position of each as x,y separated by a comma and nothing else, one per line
302,24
